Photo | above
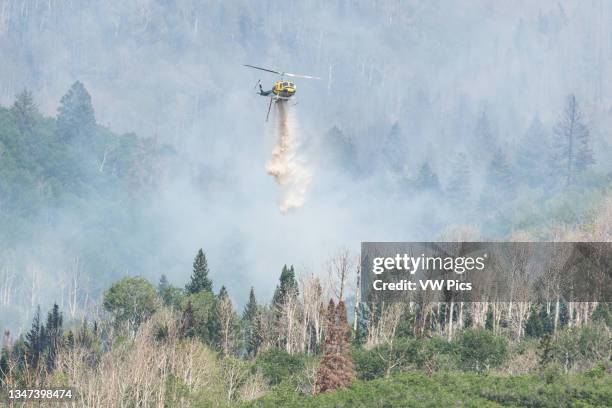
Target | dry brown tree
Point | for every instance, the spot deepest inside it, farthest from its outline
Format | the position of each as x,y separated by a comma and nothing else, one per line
336,368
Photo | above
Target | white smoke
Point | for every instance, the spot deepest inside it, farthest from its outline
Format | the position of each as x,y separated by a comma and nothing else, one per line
285,165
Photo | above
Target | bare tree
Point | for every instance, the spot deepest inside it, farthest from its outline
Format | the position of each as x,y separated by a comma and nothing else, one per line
339,268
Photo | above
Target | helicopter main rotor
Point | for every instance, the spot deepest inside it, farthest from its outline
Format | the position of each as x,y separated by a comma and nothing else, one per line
282,74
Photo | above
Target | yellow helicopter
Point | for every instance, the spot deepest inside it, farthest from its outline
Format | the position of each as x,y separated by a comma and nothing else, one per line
282,89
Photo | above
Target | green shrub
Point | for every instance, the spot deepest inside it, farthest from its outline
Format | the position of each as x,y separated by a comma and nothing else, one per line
479,350
277,365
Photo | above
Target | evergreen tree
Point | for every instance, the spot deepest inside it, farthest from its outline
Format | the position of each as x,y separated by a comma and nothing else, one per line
484,137
224,325
573,151
70,342
163,285
489,320
459,184
75,119
4,364
35,341
199,279
249,315
427,179
500,185
336,368
545,350
499,174
287,285
24,110
54,332
533,326
603,313
393,148
533,154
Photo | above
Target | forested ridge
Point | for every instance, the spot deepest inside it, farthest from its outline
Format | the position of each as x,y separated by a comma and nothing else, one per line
143,259
190,344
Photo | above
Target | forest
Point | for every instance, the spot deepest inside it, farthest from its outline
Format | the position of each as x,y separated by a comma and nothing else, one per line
143,257
145,344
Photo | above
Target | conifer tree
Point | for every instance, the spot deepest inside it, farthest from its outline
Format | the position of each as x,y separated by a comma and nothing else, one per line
24,110
249,315
459,184
484,138
336,368
427,179
199,279
4,364
533,154
162,285
393,148
499,174
54,332
287,286
75,119
573,150
70,339
224,324
34,342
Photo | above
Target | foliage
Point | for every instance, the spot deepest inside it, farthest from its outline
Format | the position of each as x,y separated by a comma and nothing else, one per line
287,285
336,367
479,350
131,300
199,281
449,389
202,313
277,365
249,316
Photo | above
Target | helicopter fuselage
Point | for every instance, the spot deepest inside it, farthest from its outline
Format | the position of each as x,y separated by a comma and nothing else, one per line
282,90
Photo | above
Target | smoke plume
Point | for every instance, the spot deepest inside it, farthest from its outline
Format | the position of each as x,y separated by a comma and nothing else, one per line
285,165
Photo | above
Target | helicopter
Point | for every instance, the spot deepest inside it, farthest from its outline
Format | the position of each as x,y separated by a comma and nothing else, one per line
282,90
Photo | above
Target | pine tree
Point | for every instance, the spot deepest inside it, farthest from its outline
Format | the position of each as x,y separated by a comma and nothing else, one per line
24,110
484,138
459,184
427,179
533,154
336,368
249,315
499,174
224,324
393,149
163,285
4,364
35,340
75,119
54,331
199,279
70,342
489,323
574,153
287,285
500,185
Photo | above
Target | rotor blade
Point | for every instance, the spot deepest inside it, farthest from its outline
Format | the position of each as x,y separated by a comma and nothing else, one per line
263,69
300,76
